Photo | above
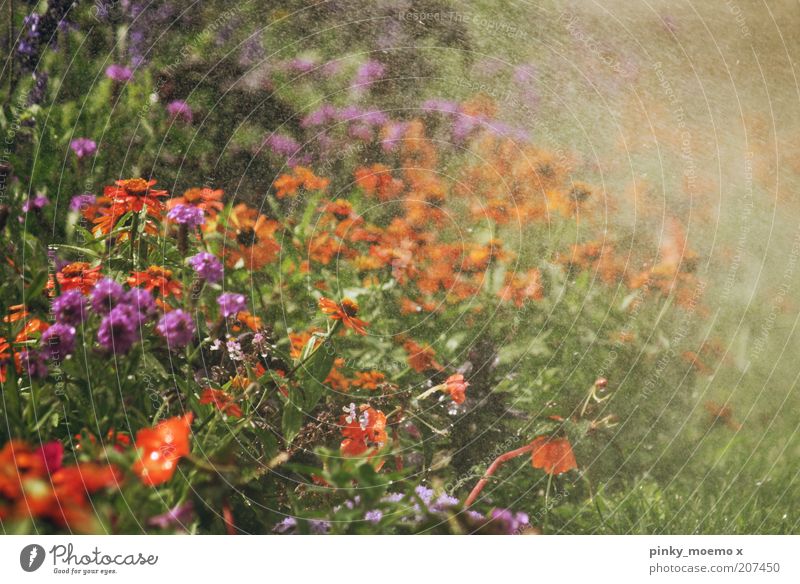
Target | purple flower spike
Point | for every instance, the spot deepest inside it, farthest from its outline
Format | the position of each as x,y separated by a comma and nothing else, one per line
70,308
207,266
83,147
106,295
35,203
177,328
33,362
119,73
187,215
179,109
58,341
231,303
80,202
142,301
117,333
178,516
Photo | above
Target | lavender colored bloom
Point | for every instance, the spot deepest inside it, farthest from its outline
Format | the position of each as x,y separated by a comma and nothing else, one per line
373,117
106,295
117,332
142,300
83,147
80,202
70,308
443,502
300,65
180,109
33,362
392,134
289,526
188,215
374,516
525,74
361,132
512,522
37,93
119,73
177,328
35,203
319,117
177,516
287,147
442,106
424,493
207,266
58,341
231,303
368,73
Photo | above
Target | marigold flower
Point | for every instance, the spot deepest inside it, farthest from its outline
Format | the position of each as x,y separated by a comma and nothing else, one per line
553,455
252,238
161,448
221,400
345,311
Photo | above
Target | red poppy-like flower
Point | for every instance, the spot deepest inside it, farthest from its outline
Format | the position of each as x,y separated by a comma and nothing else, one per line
221,400
553,455
362,430
457,387
156,278
77,275
161,448
346,311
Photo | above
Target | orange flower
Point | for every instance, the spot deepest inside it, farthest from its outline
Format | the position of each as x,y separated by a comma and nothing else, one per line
369,379
362,430
457,387
136,193
247,319
377,180
161,448
252,238
77,275
287,184
421,358
337,380
221,400
298,342
523,287
553,455
209,200
345,311
156,278
720,414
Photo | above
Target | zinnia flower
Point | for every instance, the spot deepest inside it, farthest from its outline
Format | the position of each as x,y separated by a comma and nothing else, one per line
161,448
363,429
209,200
253,238
77,276
346,312
177,328
156,278
221,400
553,455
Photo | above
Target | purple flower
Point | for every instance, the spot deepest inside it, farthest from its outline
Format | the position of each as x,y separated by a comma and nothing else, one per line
142,300
106,295
188,215
33,362
207,266
287,147
300,65
319,117
231,303
368,73
119,73
180,109
441,106
289,526
392,134
511,522
177,516
79,203
177,328
35,203
83,147
117,332
70,308
58,341
374,516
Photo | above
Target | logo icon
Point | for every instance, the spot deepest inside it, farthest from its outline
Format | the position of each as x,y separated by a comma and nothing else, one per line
31,557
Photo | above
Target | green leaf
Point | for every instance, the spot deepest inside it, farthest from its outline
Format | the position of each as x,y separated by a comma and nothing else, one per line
292,420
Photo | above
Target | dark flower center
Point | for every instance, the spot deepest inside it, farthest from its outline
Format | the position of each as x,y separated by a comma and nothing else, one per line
247,237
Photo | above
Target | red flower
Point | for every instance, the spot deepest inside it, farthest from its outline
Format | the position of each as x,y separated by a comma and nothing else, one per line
420,358
161,448
346,311
77,275
457,387
553,455
156,278
136,193
363,429
221,400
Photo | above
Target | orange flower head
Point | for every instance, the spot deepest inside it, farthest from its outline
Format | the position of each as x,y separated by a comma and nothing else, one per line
345,311
553,455
362,429
369,379
457,387
156,278
420,358
77,276
161,448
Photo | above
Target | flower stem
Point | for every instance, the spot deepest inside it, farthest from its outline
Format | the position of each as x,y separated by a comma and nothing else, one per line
498,462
